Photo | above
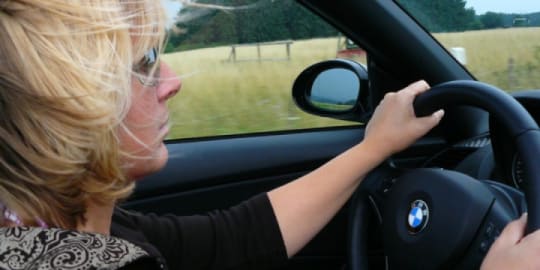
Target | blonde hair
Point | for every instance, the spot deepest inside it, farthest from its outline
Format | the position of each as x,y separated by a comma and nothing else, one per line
65,86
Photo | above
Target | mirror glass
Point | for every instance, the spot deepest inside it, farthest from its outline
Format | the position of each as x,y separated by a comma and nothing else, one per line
335,90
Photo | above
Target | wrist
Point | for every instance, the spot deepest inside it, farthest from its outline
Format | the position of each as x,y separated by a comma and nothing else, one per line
377,148
374,151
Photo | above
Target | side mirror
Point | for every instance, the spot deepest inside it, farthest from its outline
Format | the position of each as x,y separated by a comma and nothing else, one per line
335,88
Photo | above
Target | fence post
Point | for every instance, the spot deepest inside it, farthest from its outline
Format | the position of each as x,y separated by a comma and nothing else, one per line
511,75
288,50
234,58
259,52
460,54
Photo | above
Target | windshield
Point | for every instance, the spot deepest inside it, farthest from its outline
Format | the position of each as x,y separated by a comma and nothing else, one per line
497,41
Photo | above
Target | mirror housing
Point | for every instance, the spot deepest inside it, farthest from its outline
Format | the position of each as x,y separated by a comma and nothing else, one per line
335,88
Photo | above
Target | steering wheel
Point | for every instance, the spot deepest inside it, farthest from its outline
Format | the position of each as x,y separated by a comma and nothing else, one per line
442,219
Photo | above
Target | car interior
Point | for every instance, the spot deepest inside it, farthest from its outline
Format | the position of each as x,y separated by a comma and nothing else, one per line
468,177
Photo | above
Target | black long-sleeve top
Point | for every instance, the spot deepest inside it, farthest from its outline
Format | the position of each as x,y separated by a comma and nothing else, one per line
246,236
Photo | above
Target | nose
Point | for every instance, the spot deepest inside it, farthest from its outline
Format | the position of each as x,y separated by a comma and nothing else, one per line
169,85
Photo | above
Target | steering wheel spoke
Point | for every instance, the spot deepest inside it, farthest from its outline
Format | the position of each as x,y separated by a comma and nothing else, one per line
365,220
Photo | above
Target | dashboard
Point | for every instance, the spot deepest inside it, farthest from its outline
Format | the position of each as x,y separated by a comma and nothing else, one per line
491,155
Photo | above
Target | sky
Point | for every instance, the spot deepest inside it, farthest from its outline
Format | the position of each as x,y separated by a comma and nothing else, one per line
172,8
504,6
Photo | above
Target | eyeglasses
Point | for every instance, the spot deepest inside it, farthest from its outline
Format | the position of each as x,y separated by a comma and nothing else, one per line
146,66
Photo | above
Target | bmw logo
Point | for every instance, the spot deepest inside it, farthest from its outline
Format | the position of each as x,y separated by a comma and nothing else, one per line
418,216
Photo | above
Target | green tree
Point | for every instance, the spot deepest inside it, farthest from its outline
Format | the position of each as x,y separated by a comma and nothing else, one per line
492,20
442,15
266,20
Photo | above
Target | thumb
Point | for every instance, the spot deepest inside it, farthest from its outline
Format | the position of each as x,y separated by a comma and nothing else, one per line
432,120
513,232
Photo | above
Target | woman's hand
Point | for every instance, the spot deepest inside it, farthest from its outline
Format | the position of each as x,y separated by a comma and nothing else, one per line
394,125
514,251
302,207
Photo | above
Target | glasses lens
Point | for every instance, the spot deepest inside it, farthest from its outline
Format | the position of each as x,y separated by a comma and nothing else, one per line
146,67
150,57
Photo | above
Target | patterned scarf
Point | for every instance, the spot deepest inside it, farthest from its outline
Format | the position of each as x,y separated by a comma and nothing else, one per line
40,248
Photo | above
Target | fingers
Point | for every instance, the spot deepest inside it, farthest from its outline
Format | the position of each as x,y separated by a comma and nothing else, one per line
416,88
432,120
513,232
429,121
394,123
533,238
533,241
512,251
412,90
438,115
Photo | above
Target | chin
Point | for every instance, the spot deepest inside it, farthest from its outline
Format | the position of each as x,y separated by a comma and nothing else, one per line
161,158
144,167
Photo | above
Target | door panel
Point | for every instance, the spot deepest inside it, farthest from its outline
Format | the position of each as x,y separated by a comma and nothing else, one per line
206,163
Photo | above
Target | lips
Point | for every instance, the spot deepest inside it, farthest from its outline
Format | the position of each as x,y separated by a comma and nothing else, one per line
164,124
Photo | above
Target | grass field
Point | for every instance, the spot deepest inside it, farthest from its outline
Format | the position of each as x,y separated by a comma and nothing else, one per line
508,58
220,97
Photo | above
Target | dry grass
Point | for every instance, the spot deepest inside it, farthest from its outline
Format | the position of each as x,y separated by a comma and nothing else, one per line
220,97
507,58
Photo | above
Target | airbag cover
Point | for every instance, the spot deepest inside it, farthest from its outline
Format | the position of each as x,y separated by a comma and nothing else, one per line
431,216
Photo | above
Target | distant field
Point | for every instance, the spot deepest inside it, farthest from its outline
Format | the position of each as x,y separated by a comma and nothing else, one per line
220,97
508,58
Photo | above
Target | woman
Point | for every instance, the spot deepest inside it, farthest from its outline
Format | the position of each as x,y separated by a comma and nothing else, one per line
82,95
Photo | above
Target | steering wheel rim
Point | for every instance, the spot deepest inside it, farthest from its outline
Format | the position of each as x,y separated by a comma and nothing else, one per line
503,107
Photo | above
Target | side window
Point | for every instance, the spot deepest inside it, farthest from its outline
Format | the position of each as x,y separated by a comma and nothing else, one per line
497,41
238,61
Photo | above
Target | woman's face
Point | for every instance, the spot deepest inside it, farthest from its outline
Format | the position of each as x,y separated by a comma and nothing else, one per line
148,122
